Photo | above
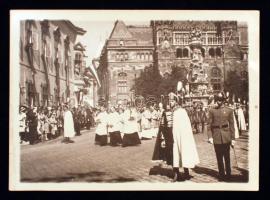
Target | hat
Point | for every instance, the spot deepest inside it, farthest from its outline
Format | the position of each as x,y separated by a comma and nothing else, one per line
173,96
220,97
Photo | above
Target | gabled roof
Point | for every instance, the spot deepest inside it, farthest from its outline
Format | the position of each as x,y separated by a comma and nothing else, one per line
78,46
78,30
142,35
120,31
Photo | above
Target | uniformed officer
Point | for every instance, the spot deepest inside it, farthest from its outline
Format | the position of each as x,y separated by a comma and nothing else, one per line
222,135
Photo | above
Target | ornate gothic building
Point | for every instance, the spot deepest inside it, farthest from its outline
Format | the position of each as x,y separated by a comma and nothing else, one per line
167,44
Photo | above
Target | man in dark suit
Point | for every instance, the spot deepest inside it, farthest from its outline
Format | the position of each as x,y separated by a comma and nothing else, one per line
222,135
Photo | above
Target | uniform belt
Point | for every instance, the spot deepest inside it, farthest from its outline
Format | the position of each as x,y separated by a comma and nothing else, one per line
222,126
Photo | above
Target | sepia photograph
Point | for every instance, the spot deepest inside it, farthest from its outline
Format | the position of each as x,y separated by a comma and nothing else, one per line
134,100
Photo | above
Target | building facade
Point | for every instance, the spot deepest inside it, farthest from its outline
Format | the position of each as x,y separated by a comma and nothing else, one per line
47,70
126,53
166,44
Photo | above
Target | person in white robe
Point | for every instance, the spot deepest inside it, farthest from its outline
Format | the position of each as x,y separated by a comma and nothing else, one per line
131,136
240,119
185,153
121,119
101,119
154,121
69,131
114,123
146,124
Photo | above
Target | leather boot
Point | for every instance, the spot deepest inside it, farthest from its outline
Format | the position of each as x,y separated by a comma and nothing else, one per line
186,172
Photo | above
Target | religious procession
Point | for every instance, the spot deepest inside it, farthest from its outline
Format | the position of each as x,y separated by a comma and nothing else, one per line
160,112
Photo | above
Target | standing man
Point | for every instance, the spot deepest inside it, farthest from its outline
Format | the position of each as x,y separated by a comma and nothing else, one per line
184,148
68,126
101,137
222,135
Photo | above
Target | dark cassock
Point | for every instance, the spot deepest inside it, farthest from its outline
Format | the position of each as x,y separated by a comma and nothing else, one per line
32,120
164,143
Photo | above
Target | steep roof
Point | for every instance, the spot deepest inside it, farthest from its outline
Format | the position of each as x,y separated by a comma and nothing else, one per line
78,30
142,34
120,31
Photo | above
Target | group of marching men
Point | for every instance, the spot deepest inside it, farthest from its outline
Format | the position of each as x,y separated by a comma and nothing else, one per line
126,125
171,126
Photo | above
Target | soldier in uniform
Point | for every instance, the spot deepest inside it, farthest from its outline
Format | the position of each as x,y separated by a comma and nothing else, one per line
222,135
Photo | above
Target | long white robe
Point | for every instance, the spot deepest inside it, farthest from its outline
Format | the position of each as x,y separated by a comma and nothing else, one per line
102,118
146,125
241,119
68,124
184,148
114,122
130,126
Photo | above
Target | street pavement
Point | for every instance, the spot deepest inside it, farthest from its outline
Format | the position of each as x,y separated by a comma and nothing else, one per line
83,161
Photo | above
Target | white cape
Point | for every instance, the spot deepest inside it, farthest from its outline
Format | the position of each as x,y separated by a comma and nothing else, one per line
184,148
68,125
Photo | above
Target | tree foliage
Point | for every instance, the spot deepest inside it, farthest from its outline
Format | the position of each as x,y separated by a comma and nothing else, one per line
150,82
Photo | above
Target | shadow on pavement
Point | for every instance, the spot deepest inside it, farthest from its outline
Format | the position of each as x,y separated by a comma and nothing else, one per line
94,176
242,177
157,170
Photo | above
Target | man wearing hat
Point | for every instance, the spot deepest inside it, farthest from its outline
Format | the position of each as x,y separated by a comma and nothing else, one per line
222,135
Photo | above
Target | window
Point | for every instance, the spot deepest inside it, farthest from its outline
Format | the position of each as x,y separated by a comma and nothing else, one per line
216,72
212,52
126,56
122,83
218,52
216,78
150,56
185,53
35,40
179,53
203,52
44,95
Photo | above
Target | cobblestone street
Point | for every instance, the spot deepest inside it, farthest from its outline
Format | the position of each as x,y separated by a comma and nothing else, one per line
83,161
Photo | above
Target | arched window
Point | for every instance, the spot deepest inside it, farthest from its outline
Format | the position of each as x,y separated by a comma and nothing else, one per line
218,52
122,83
117,56
179,53
212,52
146,56
126,56
185,53
150,56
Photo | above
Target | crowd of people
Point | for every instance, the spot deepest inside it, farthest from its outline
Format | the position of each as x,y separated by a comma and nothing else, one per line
40,124
172,124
